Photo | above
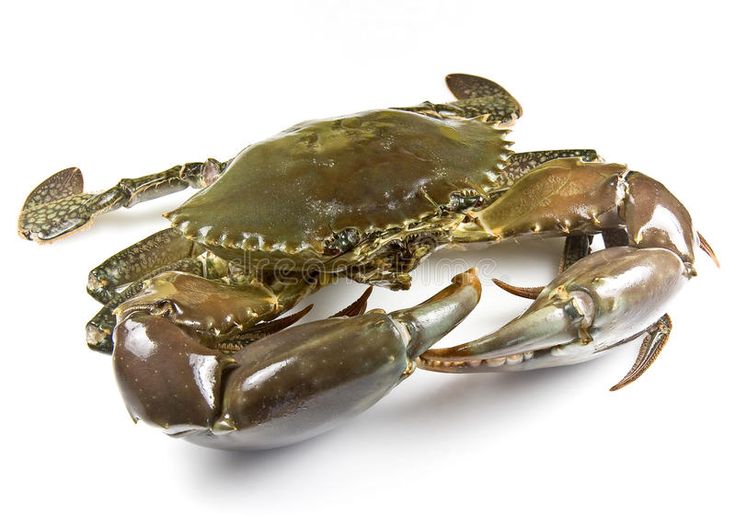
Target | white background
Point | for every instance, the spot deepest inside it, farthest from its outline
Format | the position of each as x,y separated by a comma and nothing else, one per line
124,91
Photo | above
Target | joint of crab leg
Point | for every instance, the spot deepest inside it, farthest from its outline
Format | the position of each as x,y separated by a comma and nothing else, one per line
655,218
603,300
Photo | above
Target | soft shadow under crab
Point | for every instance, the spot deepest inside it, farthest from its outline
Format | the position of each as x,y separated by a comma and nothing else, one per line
194,314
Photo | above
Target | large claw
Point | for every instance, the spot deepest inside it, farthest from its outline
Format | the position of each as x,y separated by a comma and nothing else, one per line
281,389
603,300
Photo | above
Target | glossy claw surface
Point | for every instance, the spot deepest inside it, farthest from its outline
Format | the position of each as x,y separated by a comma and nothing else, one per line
603,300
284,388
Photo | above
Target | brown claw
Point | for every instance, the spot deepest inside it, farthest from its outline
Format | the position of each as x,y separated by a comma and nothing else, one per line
358,307
286,321
525,292
708,250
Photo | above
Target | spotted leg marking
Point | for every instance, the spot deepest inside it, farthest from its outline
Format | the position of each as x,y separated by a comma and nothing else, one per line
520,164
138,261
478,97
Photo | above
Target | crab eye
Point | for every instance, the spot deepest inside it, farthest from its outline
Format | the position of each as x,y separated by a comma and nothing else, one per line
343,241
460,201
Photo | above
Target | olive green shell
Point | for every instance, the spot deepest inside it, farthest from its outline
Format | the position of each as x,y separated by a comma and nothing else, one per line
371,171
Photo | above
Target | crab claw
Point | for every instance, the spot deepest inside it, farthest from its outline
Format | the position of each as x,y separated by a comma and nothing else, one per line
605,299
286,387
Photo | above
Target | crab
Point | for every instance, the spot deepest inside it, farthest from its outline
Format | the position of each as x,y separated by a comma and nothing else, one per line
194,315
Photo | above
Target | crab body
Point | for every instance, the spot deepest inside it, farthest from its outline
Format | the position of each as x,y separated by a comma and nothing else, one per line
323,188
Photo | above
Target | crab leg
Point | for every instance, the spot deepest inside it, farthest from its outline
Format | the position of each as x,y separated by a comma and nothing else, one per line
59,206
138,261
478,96
284,388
